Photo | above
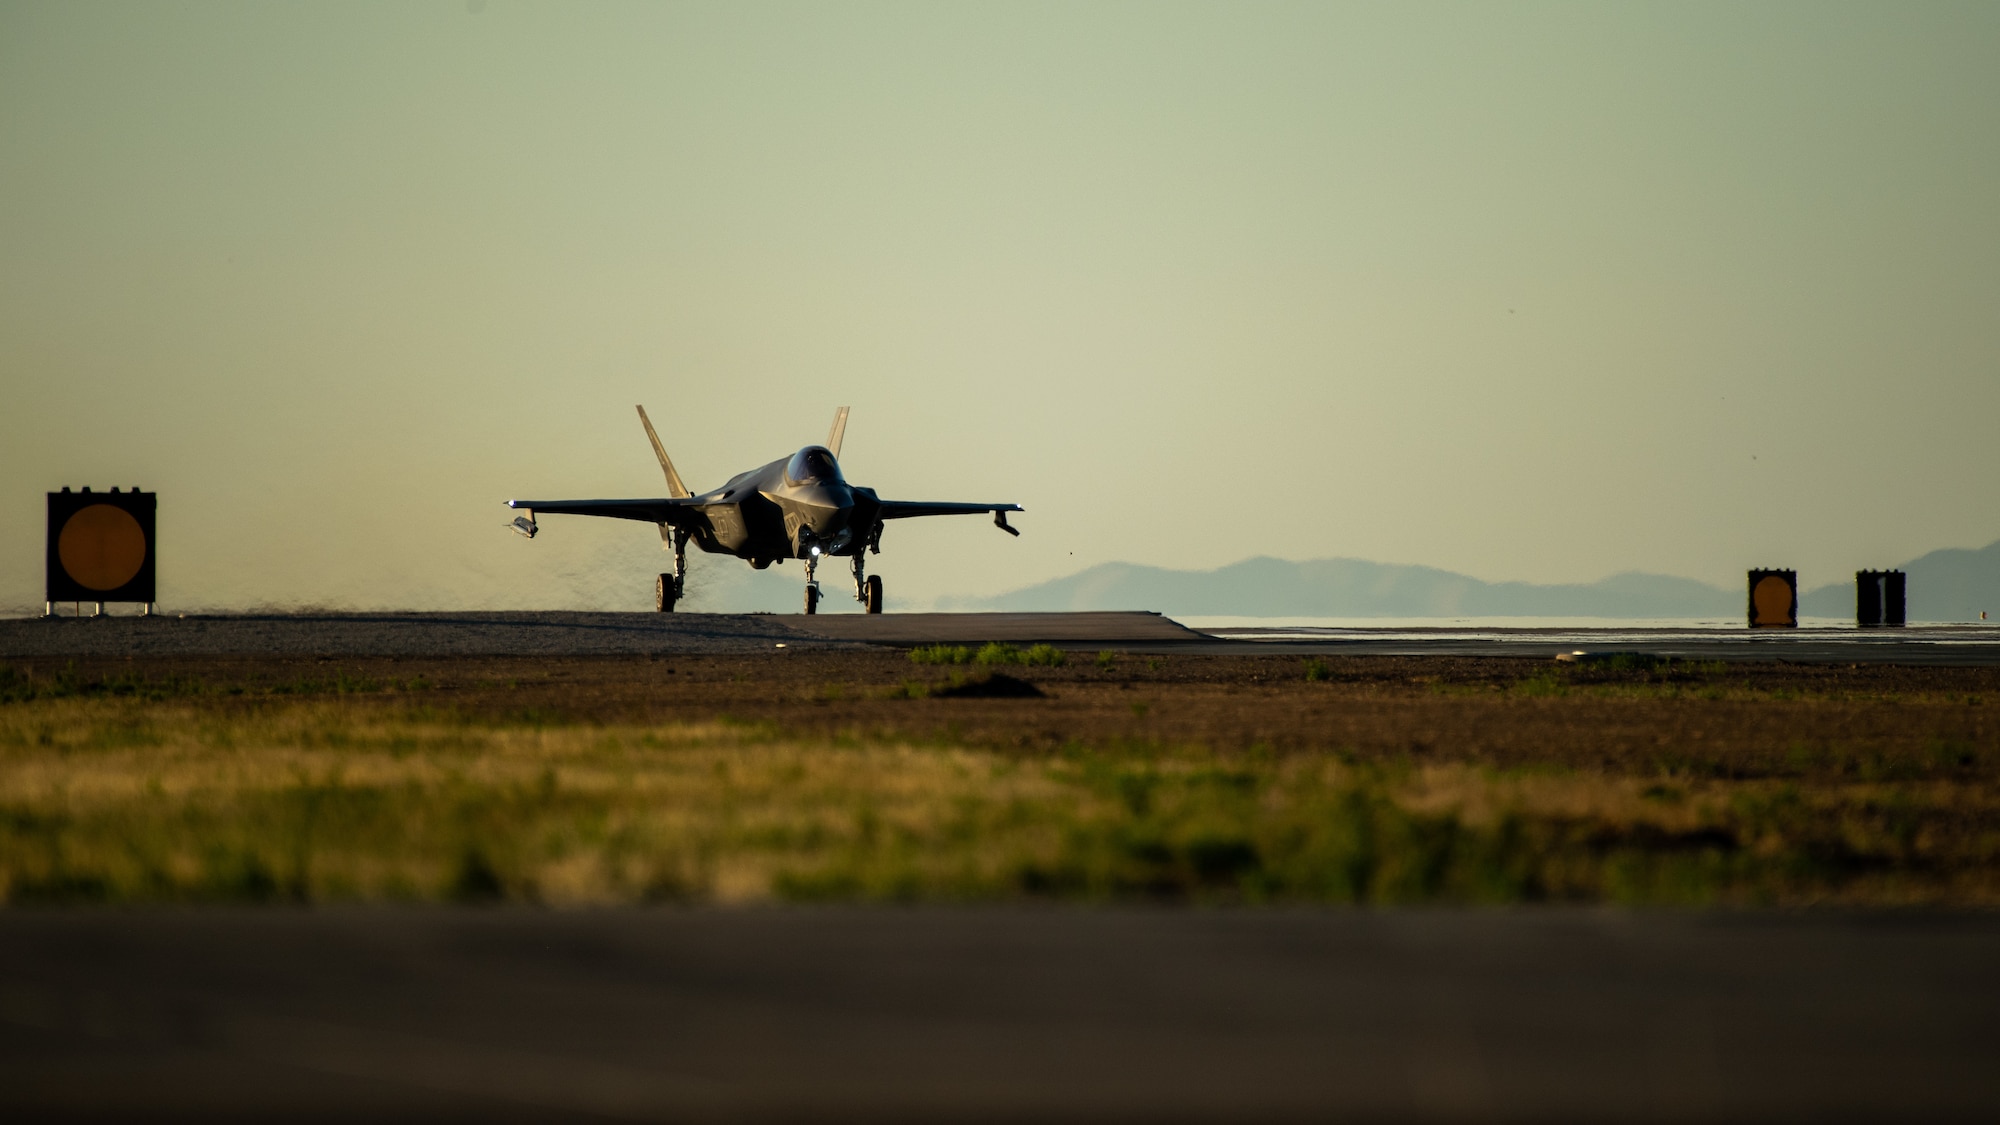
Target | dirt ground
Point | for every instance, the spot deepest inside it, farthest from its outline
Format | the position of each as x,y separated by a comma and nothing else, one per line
1728,720
870,775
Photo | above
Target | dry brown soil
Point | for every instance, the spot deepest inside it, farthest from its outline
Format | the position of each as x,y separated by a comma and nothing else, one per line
1733,720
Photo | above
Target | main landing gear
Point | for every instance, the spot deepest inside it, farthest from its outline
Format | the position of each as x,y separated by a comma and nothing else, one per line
670,587
867,587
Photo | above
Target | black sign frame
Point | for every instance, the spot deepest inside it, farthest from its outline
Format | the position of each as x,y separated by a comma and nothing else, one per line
1791,580
143,507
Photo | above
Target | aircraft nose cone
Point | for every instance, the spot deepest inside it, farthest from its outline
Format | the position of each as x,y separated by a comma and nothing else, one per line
825,506
818,513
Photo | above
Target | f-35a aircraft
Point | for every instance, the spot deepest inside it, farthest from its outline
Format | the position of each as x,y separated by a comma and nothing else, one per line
796,507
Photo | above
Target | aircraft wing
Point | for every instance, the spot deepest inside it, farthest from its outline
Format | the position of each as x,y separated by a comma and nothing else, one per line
667,510
903,509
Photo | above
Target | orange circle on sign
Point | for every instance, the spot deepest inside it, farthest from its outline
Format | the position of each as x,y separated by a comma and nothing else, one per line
102,547
1773,598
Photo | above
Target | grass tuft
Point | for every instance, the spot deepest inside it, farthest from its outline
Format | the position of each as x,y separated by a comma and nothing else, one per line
1043,655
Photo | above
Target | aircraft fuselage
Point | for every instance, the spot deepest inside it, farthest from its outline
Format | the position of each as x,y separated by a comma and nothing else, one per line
768,513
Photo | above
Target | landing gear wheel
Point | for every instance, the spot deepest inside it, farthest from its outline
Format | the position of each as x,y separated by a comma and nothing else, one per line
812,599
664,595
873,598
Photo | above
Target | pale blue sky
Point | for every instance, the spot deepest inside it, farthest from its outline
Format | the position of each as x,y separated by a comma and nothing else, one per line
1528,291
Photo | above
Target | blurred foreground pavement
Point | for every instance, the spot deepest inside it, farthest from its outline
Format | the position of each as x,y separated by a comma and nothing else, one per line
990,1013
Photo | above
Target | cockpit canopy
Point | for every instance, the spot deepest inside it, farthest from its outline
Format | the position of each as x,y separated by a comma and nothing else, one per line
813,465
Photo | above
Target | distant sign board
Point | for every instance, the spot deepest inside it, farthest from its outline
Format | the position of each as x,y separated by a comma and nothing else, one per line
1879,597
101,546
1774,599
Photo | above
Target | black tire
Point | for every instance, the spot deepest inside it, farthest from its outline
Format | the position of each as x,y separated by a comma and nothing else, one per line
873,600
664,595
812,599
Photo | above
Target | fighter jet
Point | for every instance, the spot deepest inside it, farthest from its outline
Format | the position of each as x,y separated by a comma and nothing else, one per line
795,507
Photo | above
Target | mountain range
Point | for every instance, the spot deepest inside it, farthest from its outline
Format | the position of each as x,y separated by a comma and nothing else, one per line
1947,585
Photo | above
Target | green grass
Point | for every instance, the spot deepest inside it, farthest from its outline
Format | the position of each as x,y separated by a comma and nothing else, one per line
1048,656
1541,685
120,797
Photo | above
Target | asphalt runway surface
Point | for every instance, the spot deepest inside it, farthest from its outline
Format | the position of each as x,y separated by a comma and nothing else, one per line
602,634
983,1014
1960,645
552,633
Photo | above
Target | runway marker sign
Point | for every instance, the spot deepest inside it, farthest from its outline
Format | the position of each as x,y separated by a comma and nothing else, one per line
1880,597
100,546
1774,599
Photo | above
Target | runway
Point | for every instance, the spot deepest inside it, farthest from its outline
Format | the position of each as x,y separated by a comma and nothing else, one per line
550,633
1067,630
1963,645
558,633
887,1014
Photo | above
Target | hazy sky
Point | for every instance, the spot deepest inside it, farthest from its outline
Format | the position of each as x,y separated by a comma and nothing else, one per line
1528,291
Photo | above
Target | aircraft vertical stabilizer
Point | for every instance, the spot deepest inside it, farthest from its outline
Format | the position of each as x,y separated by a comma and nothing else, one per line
838,432
674,486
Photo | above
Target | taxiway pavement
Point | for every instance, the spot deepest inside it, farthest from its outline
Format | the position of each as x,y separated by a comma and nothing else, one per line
556,633
993,1013
1964,645
552,633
